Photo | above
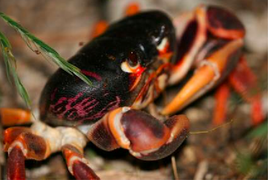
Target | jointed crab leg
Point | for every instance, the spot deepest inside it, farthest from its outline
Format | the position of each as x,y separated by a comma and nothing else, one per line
21,144
244,81
221,98
16,165
77,164
38,142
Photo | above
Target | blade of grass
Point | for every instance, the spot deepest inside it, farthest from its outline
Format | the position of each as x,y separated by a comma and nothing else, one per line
33,43
260,131
10,63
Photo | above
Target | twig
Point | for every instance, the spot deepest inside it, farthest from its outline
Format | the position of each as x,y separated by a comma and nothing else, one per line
174,167
201,170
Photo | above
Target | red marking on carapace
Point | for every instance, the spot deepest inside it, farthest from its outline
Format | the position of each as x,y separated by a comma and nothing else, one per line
92,74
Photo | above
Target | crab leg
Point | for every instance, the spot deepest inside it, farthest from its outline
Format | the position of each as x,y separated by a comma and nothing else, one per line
221,97
10,117
144,136
16,165
38,142
20,144
77,164
210,72
244,81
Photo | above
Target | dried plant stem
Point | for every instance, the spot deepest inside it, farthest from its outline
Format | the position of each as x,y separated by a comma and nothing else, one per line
174,167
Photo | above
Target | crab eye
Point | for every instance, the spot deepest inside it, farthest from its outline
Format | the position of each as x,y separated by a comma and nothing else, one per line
132,59
131,64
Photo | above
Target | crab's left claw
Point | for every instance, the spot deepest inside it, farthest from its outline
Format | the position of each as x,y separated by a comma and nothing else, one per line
209,73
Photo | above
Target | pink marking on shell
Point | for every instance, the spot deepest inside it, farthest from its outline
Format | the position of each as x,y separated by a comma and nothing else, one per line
81,109
92,74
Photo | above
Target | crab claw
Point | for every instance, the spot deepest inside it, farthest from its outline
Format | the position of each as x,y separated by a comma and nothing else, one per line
209,73
144,136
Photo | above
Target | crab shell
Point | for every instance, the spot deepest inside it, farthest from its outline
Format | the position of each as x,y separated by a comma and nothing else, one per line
120,64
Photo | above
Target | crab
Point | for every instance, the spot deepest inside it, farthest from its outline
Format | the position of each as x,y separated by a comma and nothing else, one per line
129,63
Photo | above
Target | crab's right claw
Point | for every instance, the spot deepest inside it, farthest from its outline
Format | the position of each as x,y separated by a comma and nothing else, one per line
210,72
215,50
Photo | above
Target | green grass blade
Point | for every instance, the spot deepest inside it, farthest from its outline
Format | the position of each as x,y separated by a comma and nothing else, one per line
10,63
49,52
260,131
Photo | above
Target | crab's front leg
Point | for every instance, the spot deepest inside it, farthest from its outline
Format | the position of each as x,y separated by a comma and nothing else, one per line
38,142
21,144
214,51
144,136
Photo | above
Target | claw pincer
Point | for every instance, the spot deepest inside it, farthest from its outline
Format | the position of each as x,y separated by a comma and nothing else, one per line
144,136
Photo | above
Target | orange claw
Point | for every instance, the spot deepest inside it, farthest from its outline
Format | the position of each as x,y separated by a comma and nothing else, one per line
244,81
221,98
